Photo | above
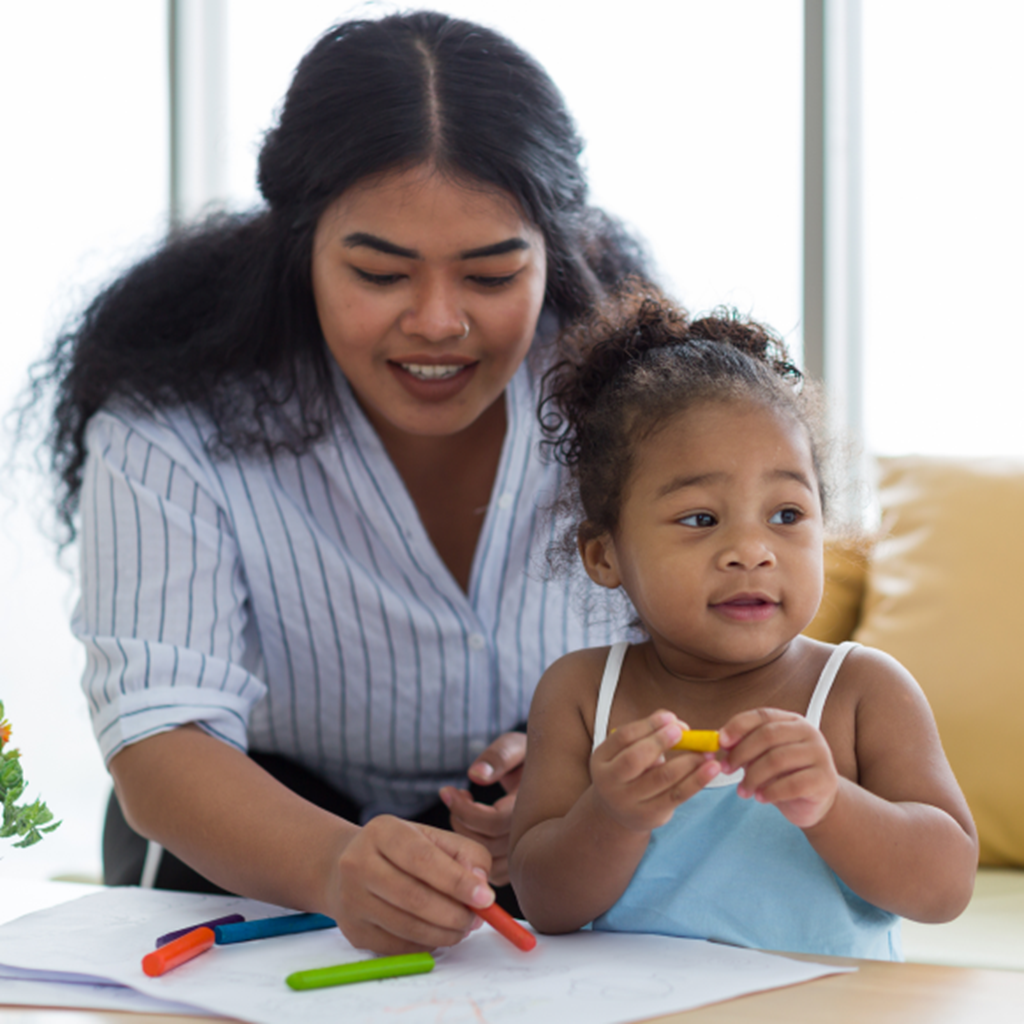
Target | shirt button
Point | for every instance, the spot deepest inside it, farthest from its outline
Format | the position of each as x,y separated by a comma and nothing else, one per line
476,642
476,747
505,501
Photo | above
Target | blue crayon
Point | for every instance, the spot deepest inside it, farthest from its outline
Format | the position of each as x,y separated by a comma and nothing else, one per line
171,936
268,927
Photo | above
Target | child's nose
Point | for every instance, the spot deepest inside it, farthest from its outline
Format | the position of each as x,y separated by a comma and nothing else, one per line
747,548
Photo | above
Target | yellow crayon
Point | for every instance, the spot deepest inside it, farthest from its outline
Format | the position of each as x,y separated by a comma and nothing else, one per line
697,739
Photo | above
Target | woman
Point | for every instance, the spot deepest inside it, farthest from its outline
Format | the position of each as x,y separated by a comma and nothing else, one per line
302,448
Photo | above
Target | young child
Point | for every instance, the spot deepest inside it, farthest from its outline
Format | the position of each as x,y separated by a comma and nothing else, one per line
830,809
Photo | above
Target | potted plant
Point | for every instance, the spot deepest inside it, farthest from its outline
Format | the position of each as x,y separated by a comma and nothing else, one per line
27,821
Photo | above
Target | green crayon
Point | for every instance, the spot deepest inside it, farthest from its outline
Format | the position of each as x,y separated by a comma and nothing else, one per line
361,970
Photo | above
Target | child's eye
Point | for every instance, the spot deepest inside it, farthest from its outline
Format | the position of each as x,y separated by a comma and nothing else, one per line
786,517
699,519
381,279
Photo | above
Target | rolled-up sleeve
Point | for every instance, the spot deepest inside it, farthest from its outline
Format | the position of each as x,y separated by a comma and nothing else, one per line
163,610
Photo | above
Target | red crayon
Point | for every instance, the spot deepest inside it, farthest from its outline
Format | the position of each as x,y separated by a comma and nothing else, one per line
505,924
175,953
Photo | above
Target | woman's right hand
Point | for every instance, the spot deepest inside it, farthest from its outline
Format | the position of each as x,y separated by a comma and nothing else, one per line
400,887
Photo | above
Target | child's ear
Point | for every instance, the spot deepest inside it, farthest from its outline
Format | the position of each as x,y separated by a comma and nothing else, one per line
598,554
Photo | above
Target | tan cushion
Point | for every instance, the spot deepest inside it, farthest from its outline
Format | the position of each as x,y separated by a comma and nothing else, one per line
945,595
845,576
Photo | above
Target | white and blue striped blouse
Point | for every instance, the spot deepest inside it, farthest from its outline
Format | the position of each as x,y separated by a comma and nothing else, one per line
296,605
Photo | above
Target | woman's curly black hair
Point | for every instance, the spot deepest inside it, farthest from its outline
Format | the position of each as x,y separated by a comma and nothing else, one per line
222,317
634,364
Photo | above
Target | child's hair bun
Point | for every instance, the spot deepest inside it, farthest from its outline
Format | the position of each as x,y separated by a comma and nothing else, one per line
620,335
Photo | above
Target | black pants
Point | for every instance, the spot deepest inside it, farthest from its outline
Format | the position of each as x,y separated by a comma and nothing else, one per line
124,850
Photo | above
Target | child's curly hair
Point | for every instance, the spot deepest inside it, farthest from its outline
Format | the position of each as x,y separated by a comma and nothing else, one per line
636,363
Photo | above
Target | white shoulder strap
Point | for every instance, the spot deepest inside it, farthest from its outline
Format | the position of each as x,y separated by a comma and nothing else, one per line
609,683
825,681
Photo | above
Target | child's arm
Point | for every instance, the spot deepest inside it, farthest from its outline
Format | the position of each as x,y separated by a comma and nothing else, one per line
581,823
901,835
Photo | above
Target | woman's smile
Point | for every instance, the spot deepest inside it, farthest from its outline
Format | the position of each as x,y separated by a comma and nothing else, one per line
434,372
434,378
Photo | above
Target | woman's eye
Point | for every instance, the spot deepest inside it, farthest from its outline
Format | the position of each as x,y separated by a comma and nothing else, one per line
699,519
785,517
381,279
493,282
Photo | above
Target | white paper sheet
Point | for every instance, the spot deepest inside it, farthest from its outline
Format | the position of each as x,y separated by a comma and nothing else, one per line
19,987
79,995
602,978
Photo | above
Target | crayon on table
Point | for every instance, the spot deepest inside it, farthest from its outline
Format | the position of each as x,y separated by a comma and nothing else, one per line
362,970
268,927
177,952
171,936
697,739
505,924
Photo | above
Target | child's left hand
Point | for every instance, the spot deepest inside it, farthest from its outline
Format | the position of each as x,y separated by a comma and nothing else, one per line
489,824
786,760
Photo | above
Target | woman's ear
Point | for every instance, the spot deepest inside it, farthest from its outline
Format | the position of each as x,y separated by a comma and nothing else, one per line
598,554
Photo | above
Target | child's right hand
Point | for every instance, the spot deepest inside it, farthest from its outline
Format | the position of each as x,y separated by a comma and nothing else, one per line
401,887
636,783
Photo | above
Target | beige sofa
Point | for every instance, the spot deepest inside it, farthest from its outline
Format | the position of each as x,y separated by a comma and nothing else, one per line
942,590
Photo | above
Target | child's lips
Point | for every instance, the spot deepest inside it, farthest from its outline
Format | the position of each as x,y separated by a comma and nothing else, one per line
747,607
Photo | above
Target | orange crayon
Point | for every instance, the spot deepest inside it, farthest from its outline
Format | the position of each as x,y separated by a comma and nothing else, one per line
505,924
175,953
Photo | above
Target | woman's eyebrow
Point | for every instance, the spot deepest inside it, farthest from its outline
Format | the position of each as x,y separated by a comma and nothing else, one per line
364,239
498,249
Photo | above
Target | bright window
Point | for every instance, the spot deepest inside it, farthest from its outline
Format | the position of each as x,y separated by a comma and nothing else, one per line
84,181
944,218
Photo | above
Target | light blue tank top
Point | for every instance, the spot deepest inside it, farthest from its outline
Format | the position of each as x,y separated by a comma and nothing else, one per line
736,871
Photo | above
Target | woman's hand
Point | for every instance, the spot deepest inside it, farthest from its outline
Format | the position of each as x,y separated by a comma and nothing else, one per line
490,825
786,760
638,785
400,887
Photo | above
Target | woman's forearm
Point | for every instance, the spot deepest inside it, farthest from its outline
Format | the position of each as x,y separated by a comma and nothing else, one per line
393,886
226,817
567,871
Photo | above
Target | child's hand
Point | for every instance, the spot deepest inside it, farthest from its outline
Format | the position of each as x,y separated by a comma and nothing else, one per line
787,763
638,786
489,825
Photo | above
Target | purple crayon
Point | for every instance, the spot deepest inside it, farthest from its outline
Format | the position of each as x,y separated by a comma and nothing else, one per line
171,936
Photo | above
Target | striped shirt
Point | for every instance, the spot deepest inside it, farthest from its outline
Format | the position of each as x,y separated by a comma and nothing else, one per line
296,605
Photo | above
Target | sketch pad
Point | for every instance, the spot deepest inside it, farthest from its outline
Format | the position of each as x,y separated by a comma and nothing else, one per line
603,978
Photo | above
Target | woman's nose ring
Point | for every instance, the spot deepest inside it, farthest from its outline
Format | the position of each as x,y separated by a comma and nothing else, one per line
465,332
